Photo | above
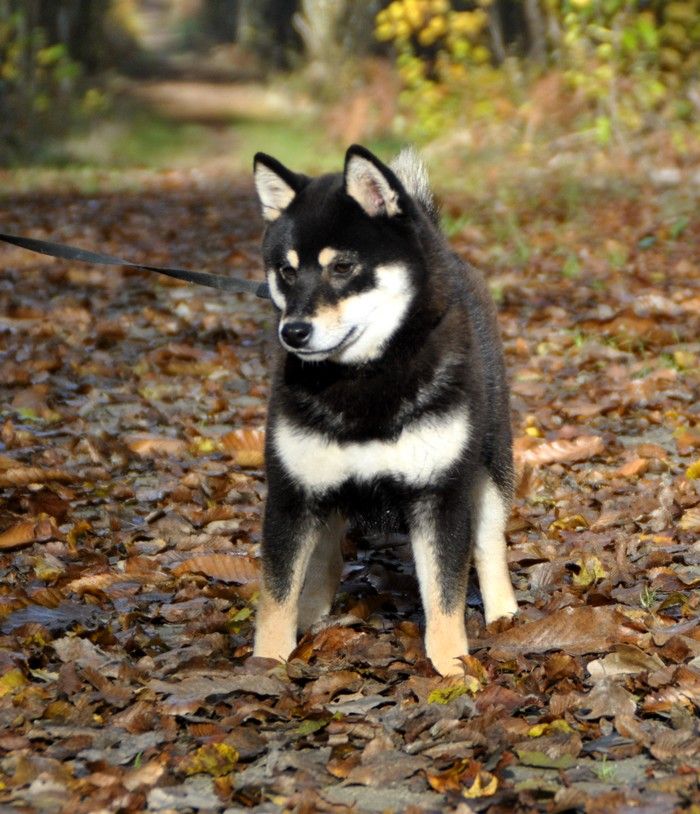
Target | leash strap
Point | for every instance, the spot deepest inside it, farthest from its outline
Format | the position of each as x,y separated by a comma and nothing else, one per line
198,277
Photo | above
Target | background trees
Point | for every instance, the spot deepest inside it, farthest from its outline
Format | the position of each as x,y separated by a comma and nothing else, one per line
614,66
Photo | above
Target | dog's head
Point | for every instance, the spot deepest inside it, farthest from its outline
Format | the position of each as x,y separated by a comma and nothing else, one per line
341,253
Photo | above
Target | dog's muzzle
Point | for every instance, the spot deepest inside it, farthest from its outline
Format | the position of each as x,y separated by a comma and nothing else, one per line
296,334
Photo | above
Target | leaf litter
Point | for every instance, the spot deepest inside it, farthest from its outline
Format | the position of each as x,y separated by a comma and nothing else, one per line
132,489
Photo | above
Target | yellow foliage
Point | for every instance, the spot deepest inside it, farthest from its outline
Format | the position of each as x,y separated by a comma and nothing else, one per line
558,725
443,695
485,785
591,571
215,759
11,681
693,471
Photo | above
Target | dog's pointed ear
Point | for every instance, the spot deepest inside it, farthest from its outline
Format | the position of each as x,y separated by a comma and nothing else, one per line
372,184
275,184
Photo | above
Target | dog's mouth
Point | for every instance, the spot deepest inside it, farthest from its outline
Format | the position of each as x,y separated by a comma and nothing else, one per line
324,353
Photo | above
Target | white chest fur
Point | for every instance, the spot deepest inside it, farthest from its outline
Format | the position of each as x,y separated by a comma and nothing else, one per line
422,452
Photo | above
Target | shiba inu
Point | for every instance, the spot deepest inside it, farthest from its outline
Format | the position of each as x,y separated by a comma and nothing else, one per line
389,400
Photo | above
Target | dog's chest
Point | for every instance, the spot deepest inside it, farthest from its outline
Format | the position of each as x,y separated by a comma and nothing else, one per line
418,455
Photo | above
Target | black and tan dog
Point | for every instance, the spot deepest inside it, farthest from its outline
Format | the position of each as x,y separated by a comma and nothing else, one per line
389,401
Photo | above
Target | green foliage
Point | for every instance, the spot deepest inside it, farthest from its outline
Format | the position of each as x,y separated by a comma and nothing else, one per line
38,86
622,62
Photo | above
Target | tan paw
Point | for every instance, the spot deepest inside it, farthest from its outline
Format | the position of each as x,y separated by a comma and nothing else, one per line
506,607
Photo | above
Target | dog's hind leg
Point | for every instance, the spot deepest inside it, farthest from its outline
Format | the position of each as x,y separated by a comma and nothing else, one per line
491,514
323,574
440,543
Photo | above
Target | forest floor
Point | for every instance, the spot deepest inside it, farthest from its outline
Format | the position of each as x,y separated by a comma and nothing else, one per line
131,478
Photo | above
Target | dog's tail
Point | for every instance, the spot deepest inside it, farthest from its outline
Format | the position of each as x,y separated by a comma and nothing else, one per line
409,168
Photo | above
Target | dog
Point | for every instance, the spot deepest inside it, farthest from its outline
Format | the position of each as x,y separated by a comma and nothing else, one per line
388,403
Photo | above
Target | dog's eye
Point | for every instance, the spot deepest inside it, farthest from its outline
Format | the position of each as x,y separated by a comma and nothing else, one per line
288,273
342,268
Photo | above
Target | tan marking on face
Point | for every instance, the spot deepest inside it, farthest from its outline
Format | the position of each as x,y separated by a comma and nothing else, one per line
293,259
327,256
327,317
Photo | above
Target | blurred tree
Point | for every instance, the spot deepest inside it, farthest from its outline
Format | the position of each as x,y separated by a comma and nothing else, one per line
265,29
45,48
220,20
625,59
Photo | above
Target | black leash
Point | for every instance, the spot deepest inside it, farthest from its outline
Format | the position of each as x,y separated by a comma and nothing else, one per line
199,277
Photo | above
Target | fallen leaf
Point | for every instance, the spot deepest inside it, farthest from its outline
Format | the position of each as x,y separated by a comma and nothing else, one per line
467,776
246,446
23,475
607,699
569,523
215,759
627,659
153,446
690,521
236,568
11,681
560,451
558,725
443,695
84,653
576,630
193,691
693,471
637,466
535,757
28,531
590,571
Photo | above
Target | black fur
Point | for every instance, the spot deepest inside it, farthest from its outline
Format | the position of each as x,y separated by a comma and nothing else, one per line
451,317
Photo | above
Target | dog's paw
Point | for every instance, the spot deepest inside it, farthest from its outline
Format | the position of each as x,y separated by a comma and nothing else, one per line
503,610
448,665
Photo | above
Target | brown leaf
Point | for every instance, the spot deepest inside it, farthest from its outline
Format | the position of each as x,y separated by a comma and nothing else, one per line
607,699
74,650
627,659
327,686
246,446
466,776
576,630
387,767
237,568
153,446
560,451
637,466
194,690
117,695
28,531
22,475
690,521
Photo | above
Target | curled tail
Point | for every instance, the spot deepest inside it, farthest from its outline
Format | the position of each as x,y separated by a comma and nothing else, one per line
409,168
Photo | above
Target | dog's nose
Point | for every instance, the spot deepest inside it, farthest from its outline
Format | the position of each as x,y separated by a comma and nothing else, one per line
296,334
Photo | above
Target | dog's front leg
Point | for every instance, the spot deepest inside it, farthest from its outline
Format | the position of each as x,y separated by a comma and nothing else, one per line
290,535
323,576
440,539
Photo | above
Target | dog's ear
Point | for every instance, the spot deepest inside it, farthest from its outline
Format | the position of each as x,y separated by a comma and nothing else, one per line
275,184
372,184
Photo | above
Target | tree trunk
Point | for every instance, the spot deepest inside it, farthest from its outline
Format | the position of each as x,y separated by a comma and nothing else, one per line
536,31
496,32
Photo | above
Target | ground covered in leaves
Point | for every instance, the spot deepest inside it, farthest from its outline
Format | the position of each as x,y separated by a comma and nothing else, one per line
131,482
